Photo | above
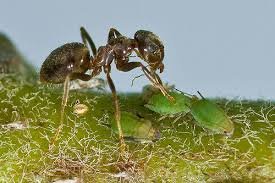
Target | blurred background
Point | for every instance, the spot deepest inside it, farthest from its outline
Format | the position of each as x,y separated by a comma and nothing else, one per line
221,48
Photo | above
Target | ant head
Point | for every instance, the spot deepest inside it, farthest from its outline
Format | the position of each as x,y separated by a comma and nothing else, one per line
150,48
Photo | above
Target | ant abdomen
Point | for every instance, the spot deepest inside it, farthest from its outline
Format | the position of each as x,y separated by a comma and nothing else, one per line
65,60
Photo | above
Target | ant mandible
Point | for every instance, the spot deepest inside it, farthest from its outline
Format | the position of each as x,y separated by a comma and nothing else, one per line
72,61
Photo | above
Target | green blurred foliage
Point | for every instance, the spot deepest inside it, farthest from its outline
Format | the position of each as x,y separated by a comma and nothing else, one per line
88,148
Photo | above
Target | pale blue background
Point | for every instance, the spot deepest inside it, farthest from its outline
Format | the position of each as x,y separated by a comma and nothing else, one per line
222,48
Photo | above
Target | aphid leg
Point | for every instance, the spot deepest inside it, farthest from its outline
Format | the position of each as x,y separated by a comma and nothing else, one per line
178,117
163,117
154,78
63,105
86,37
117,111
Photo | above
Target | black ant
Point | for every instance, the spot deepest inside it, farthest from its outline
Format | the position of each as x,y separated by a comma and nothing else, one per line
72,61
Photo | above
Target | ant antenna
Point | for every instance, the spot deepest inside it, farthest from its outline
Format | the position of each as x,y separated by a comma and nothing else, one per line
200,95
136,78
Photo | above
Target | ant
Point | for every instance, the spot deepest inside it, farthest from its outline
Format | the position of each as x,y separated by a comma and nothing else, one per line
72,60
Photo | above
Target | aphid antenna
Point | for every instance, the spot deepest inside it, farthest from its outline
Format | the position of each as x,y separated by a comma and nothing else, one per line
200,95
184,93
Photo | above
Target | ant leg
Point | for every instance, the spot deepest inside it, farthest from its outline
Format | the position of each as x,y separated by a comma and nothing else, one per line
153,77
117,111
138,54
65,96
113,33
86,37
84,77
63,105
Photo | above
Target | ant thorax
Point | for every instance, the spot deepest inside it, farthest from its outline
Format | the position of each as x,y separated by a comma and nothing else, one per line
123,48
122,52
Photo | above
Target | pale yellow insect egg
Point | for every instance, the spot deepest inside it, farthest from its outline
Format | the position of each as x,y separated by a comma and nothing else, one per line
80,109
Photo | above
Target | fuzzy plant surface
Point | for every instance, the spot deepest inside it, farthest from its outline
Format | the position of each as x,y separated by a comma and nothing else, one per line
88,147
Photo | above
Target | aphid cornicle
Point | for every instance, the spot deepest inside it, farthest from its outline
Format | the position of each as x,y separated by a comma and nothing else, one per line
72,60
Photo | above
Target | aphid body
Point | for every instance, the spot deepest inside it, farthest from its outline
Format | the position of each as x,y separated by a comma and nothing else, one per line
136,129
210,116
160,104
206,113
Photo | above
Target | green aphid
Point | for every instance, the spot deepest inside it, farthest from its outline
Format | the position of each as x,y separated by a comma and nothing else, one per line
136,129
210,116
160,104
11,60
